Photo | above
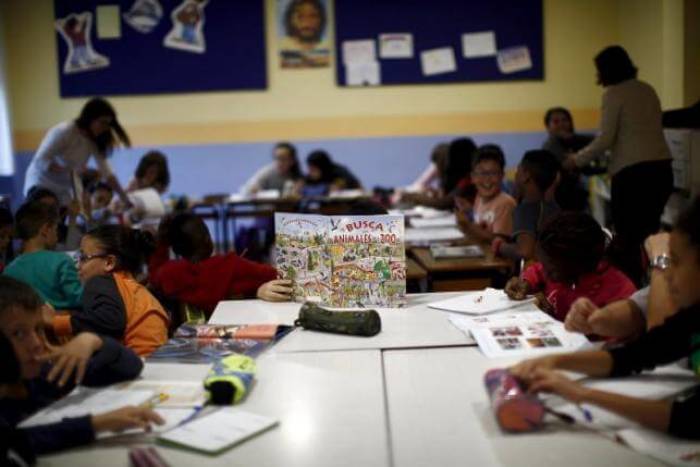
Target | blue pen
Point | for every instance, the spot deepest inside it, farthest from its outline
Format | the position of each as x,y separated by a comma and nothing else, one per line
192,416
586,413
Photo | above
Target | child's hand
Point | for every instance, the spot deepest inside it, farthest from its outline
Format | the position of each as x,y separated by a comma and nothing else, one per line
279,290
543,304
496,245
48,313
526,369
517,289
657,245
126,418
71,358
577,317
554,382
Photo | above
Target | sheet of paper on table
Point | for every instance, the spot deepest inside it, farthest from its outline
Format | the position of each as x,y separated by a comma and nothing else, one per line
447,221
430,235
481,302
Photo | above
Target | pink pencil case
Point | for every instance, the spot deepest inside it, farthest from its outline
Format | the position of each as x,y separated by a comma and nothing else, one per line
515,410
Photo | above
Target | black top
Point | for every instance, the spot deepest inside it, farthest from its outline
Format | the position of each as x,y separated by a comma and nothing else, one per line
103,309
111,364
663,345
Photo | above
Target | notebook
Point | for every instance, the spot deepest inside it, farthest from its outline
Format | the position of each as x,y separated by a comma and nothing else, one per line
479,303
450,252
215,433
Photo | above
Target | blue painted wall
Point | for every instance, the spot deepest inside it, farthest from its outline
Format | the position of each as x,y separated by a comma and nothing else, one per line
223,168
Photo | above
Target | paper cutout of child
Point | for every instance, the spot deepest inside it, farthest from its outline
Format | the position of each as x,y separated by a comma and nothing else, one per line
75,30
187,33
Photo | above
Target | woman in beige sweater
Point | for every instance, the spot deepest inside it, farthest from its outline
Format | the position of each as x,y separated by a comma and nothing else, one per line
640,162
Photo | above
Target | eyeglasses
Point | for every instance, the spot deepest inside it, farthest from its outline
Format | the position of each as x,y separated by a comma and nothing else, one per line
487,174
83,258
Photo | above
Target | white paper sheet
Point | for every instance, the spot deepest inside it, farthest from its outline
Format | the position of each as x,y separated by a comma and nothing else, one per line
267,194
670,450
149,202
84,401
220,430
432,235
438,61
480,303
479,44
514,59
108,22
459,251
347,194
178,393
396,45
363,74
171,416
446,221
360,51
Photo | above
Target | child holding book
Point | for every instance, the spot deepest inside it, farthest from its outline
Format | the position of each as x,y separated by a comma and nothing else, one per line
571,247
52,274
493,209
115,304
48,373
534,182
202,279
676,338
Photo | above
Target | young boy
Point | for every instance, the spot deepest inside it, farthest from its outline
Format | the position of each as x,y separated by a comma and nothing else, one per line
101,195
534,180
570,248
202,279
493,209
51,273
48,373
676,338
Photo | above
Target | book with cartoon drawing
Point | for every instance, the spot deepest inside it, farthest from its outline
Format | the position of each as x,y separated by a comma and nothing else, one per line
343,261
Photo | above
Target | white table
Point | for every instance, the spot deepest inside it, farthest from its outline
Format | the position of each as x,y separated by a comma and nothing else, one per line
415,326
440,415
330,406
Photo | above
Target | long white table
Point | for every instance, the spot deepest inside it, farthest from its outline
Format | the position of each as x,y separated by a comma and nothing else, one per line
415,326
330,406
440,415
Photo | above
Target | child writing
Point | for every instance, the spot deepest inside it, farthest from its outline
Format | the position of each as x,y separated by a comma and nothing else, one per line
48,373
676,338
570,247
202,279
493,209
534,182
114,303
52,274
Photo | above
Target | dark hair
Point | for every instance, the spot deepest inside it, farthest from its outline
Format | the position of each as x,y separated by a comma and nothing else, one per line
157,159
37,193
130,247
614,66
490,152
6,217
688,223
101,186
17,294
459,163
558,110
322,160
10,371
31,217
289,13
542,166
295,171
95,108
573,241
179,234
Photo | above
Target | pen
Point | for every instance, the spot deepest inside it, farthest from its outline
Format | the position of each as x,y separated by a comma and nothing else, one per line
155,400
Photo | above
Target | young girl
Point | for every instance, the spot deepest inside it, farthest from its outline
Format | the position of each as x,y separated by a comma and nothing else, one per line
676,338
47,373
281,175
493,209
203,280
570,248
152,172
114,303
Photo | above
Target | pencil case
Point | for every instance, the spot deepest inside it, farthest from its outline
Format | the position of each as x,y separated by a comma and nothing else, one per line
356,323
514,409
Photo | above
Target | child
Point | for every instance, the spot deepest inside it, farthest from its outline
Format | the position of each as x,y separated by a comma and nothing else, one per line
676,338
52,274
69,232
203,280
570,248
87,359
101,196
493,209
114,303
7,228
152,172
326,173
534,180
281,175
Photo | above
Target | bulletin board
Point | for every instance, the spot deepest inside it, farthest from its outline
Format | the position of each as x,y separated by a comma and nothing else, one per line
132,47
515,24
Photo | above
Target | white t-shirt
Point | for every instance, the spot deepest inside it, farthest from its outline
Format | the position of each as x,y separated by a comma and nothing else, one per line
66,146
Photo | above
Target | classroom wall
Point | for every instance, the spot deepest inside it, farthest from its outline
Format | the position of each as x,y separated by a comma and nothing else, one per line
392,126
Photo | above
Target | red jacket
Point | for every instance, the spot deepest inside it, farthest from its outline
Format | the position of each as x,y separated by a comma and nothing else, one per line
210,281
606,285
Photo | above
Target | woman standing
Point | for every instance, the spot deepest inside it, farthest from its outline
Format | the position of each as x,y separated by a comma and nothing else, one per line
66,149
640,162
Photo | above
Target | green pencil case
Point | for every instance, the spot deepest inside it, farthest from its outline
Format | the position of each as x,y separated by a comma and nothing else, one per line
356,323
